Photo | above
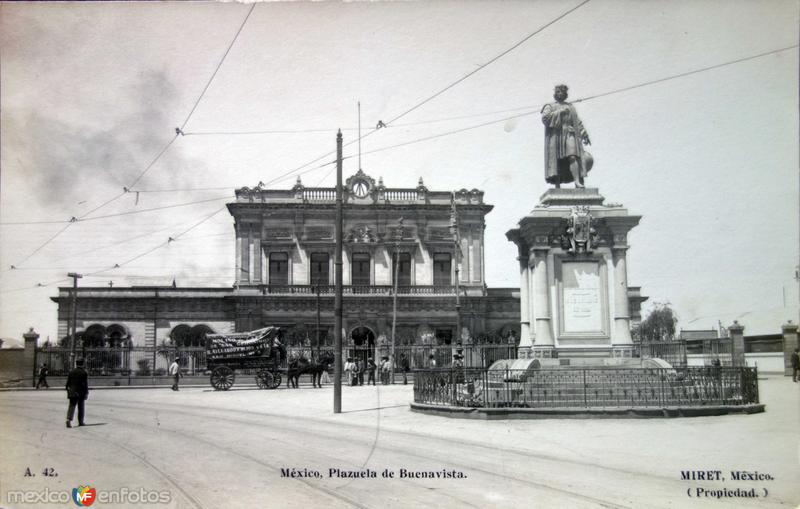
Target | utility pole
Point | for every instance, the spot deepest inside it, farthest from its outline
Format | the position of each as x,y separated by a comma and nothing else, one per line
398,236
317,321
457,256
74,336
337,268
155,334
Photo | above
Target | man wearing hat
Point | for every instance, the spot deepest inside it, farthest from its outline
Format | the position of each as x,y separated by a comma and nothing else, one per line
371,367
175,372
77,392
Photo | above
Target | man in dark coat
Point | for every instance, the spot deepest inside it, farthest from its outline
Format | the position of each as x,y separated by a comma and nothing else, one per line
42,377
371,367
406,366
77,391
795,364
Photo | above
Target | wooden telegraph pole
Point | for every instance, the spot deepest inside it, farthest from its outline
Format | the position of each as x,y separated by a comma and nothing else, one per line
337,301
398,236
74,337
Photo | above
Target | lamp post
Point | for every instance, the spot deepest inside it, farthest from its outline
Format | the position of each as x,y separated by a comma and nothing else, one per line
337,270
317,321
398,236
73,338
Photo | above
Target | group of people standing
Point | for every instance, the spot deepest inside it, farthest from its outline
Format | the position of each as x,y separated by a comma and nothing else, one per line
354,370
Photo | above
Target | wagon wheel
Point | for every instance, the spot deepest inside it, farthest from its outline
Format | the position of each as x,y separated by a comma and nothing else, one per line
276,381
264,379
222,378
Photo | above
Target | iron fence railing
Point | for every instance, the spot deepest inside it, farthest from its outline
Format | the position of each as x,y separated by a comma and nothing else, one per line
673,352
127,362
358,289
141,361
587,387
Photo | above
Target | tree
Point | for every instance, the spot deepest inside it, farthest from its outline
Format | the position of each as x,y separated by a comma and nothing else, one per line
659,324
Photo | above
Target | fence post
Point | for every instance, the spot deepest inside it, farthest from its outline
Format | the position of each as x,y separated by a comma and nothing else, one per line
755,379
585,400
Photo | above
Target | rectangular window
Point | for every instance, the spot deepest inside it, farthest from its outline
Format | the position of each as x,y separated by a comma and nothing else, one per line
359,268
278,269
319,269
403,269
441,269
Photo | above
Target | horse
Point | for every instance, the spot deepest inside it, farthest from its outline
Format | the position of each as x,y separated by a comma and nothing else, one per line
301,366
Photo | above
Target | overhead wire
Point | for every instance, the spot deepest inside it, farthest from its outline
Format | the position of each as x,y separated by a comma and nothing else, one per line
493,60
219,65
152,163
126,213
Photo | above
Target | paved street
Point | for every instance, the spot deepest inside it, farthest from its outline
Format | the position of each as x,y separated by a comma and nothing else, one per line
212,449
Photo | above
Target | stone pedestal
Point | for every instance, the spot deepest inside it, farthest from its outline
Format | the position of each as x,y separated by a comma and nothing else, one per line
573,276
790,342
736,332
29,354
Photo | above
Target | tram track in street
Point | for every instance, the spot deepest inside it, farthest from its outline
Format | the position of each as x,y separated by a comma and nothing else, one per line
183,409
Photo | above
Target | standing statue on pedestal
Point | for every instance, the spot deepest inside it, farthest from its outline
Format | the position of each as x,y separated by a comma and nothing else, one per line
565,160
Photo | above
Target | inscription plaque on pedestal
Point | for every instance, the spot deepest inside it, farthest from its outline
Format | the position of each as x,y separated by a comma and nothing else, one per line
582,304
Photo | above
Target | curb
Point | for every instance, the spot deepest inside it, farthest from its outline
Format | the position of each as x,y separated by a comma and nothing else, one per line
584,413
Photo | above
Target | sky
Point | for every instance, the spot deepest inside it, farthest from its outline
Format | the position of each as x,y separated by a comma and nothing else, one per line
91,94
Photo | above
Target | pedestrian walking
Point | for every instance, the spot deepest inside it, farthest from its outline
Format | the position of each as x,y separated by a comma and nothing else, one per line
175,372
432,361
795,364
405,366
349,367
77,392
42,377
385,368
360,371
371,367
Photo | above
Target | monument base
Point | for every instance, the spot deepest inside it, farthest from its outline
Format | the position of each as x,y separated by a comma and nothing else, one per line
573,277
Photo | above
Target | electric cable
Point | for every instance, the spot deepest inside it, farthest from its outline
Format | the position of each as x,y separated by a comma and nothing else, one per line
235,37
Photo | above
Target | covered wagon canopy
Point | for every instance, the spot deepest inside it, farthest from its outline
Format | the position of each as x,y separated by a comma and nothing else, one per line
239,345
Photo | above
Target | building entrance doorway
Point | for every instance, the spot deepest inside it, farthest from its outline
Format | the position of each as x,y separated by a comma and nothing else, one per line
363,345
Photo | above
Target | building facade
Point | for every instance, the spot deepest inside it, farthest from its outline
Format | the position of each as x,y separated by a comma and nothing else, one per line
427,245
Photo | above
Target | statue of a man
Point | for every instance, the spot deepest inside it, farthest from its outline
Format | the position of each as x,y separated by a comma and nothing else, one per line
565,160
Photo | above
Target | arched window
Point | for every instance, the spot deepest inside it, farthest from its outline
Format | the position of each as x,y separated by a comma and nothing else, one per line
181,335
94,336
117,335
198,335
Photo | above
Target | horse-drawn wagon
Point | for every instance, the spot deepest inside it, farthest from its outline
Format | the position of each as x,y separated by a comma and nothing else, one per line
260,351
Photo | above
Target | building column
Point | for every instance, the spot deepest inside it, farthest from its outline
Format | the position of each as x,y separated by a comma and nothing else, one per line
238,255
622,315
247,243
525,342
257,259
541,300
789,345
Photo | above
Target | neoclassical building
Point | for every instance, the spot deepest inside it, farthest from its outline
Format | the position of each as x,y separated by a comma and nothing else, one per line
408,238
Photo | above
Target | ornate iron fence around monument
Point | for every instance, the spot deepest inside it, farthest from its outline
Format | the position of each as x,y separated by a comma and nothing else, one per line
590,387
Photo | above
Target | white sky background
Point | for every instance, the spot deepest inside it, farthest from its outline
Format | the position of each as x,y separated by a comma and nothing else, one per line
92,92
